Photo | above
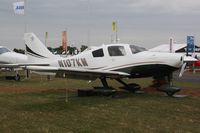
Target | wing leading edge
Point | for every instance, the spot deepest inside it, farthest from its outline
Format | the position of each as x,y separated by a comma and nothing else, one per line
79,72
22,65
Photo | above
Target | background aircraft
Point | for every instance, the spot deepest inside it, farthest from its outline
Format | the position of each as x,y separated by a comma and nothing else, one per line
177,48
115,61
9,61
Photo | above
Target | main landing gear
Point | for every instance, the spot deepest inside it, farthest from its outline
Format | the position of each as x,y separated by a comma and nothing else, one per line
129,87
13,75
167,87
16,77
107,90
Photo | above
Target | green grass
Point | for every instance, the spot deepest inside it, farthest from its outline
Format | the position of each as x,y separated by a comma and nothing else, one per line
41,82
46,111
188,84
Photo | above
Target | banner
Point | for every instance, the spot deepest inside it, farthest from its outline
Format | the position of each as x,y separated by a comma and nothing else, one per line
114,26
190,44
46,35
64,40
18,7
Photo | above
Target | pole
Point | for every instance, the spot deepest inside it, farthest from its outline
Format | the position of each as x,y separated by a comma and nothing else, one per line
111,39
88,32
170,44
28,75
66,42
116,33
45,40
66,96
25,21
46,36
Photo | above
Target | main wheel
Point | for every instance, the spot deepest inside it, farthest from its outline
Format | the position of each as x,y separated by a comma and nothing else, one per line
17,77
170,93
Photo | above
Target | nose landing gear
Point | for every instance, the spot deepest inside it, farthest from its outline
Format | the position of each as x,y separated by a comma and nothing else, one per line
165,85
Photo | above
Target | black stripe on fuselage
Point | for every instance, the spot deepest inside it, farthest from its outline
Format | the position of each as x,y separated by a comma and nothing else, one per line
148,70
36,56
33,53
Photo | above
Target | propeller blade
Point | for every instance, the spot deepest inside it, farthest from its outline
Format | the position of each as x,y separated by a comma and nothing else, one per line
182,70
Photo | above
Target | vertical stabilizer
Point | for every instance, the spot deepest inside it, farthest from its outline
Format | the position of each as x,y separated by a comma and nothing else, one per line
36,50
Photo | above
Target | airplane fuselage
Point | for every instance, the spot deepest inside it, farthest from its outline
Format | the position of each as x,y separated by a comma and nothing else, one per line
138,64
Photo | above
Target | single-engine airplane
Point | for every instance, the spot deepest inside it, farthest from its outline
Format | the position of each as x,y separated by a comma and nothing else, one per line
114,61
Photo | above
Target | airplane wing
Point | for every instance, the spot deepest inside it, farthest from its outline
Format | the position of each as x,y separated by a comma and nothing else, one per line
78,72
22,65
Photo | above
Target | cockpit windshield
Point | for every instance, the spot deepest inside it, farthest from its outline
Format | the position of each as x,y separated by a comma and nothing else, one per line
4,50
136,49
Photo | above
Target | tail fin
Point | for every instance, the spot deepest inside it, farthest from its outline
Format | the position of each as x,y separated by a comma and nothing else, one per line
36,50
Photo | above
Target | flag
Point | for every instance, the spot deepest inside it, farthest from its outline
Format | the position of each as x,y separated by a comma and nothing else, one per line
46,35
190,44
18,7
114,26
64,40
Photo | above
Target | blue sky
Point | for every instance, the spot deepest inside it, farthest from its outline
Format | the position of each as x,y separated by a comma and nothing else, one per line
144,22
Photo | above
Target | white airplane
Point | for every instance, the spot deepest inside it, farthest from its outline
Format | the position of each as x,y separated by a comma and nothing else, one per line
114,61
10,60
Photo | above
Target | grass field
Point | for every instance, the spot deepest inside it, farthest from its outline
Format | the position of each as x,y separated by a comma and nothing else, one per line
39,105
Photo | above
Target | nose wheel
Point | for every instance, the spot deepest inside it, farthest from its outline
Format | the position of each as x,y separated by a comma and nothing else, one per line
168,87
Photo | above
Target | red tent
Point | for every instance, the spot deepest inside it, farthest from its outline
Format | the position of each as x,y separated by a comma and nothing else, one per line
197,63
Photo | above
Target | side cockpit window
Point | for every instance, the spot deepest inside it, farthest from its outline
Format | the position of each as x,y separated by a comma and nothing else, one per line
4,50
116,51
136,49
98,53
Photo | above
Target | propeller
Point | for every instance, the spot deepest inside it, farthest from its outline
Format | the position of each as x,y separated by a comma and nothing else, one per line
186,60
182,69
